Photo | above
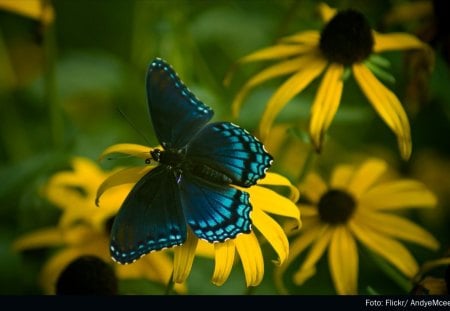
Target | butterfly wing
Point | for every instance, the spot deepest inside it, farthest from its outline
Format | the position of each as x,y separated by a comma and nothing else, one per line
214,212
229,149
176,113
151,217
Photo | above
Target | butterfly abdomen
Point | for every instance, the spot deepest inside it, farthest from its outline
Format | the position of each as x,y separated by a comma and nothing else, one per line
207,173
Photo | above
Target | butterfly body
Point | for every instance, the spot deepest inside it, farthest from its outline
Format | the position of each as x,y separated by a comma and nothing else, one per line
193,187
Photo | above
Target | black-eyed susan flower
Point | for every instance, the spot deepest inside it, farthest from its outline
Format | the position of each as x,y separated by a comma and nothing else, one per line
357,205
83,228
264,201
74,193
346,44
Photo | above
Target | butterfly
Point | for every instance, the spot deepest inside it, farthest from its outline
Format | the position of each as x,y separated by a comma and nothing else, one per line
192,185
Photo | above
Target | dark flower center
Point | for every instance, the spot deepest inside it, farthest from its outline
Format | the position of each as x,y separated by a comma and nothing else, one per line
347,38
336,207
87,275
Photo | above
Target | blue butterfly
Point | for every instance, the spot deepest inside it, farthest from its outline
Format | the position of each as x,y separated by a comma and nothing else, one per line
191,186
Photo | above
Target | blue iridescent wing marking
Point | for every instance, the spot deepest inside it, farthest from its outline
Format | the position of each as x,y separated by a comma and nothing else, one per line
192,185
231,150
214,212
176,113
150,219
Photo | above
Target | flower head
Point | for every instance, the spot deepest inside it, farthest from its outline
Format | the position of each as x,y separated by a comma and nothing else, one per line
357,205
346,42
83,228
264,201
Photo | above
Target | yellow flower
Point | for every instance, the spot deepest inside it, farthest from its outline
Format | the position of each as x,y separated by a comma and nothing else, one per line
263,200
83,228
346,42
358,206
74,192
83,240
36,9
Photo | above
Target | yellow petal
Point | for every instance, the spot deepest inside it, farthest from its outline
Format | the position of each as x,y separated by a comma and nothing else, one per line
274,52
341,176
387,105
274,179
365,176
396,41
288,90
183,258
134,150
326,12
205,249
273,233
307,269
111,202
224,260
308,210
408,12
70,189
432,264
83,236
391,250
277,70
40,10
84,166
305,238
309,38
434,286
271,202
399,194
343,262
325,104
251,257
125,176
85,174
155,267
314,187
400,228
39,238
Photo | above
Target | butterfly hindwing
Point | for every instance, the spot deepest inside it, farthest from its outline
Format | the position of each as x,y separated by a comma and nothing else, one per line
176,113
151,217
231,150
214,212
192,186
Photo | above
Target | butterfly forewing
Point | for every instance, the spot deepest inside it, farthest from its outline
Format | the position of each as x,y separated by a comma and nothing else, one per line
231,150
214,212
151,217
176,113
192,186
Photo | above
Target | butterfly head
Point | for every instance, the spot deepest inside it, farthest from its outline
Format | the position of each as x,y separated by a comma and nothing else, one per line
156,154
171,157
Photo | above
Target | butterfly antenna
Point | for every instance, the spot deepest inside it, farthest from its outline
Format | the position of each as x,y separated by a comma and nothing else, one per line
133,126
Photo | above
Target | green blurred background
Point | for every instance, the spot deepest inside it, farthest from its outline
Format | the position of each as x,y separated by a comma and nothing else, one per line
62,85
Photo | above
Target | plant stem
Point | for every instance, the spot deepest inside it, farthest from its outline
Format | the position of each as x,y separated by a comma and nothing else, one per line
170,285
250,290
